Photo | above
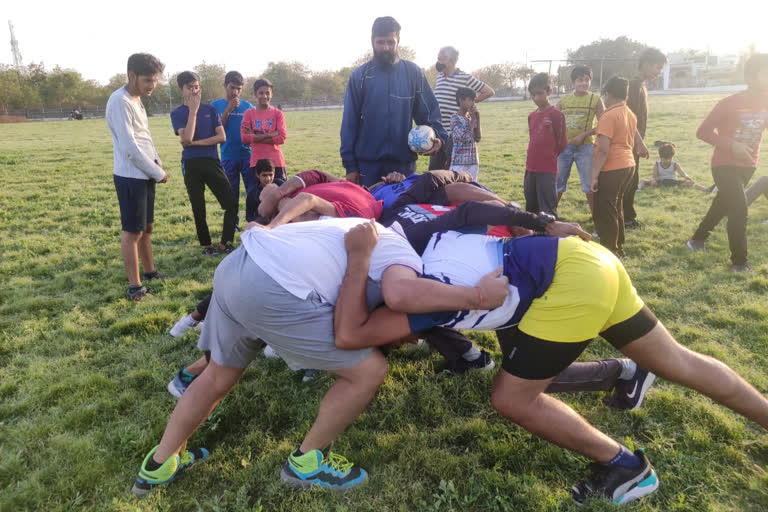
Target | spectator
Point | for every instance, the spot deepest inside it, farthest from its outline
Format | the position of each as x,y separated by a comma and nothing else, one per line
465,134
449,79
137,168
235,156
199,129
264,128
390,94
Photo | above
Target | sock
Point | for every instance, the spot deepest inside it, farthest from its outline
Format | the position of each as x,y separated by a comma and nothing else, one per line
625,459
628,369
298,452
186,376
471,354
152,464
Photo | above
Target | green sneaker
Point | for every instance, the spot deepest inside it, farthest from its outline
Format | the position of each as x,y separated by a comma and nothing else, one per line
170,469
315,468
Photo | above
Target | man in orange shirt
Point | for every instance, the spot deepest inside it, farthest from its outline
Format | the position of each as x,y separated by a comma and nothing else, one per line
613,164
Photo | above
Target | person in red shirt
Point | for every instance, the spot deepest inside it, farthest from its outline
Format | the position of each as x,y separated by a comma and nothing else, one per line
548,139
264,129
310,194
735,128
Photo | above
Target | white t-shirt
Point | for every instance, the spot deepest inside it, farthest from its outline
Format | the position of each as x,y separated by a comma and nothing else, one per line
134,152
462,259
310,256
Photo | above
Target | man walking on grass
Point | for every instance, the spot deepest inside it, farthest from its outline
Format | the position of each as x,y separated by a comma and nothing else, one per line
137,169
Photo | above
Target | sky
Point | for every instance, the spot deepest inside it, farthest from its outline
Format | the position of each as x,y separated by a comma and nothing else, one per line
96,37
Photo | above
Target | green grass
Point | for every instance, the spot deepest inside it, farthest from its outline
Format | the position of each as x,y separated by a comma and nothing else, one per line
83,371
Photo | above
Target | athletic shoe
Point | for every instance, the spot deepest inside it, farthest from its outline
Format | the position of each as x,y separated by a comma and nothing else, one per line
696,245
712,189
180,383
136,293
483,362
740,268
309,375
620,485
629,394
270,353
184,324
632,224
315,468
210,251
227,248
148,276
170,469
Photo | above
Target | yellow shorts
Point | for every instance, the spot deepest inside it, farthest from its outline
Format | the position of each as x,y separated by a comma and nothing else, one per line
590,292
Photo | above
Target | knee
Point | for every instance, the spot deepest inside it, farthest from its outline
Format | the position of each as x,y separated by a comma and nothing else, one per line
506,404
149,228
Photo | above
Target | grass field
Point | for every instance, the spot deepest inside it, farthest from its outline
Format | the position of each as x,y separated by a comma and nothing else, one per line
83,371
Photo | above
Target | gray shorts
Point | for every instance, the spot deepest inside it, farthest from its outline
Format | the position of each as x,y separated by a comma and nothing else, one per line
248,306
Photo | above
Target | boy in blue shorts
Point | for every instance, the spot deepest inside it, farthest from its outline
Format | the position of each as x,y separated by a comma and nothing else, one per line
235,156
137,168
199,129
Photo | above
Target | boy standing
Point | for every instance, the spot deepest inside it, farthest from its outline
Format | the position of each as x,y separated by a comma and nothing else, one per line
137,169
651,62
581,108
199,129
735,128
235,156
466,133
548,139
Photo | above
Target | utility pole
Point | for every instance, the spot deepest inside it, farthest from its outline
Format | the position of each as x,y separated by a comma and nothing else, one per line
15,49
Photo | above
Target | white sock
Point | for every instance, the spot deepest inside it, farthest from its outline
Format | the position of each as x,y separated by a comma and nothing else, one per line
628,369
471,354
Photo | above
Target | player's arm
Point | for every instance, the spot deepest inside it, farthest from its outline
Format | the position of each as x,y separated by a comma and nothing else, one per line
219,137
602,145
681,172
301,204
484,93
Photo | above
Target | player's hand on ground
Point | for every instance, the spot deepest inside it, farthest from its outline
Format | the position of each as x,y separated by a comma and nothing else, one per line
354,177
741,151
393,177
269,198
362,238
436,145
493,288
563,229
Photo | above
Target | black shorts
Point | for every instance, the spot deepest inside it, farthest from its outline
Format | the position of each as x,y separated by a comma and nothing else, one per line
137,203
532,358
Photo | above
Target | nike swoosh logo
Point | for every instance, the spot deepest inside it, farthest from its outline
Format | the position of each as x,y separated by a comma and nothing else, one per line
634,391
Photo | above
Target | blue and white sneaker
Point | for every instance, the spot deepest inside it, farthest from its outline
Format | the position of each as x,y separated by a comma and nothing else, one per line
617,484
629,394
316,468
180,383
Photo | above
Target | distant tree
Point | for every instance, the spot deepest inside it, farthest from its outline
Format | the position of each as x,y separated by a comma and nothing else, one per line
291,80
608,57
326,85
211,81
11,96
493,76
61,86
117,81
431,74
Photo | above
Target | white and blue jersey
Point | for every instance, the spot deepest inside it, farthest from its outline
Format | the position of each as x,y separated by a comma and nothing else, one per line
462,259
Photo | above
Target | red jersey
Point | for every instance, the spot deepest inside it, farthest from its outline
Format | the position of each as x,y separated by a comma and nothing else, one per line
547,140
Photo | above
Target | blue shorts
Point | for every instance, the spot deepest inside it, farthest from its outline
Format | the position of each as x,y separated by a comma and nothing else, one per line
137,202
582,156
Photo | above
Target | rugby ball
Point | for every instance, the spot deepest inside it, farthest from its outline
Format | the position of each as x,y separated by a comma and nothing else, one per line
420,138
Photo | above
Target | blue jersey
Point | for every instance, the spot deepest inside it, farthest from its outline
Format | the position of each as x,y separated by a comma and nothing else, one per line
207,122
233,149
390,193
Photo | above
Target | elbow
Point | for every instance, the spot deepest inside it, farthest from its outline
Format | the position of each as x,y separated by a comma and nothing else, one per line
186,141
343,339
395,296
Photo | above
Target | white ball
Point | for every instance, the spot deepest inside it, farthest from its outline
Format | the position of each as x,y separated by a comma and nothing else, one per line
420,138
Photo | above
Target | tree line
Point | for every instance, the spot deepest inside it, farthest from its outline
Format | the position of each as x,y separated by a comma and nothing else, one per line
34,87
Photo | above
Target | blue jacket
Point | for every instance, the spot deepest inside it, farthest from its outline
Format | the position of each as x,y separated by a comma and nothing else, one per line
380,106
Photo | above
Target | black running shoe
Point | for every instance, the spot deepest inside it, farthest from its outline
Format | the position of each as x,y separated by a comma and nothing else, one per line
617,484
136,293
629,394
483,362
148,276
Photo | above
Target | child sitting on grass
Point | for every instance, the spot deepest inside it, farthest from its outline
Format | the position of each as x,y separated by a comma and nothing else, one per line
264,173
666,170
